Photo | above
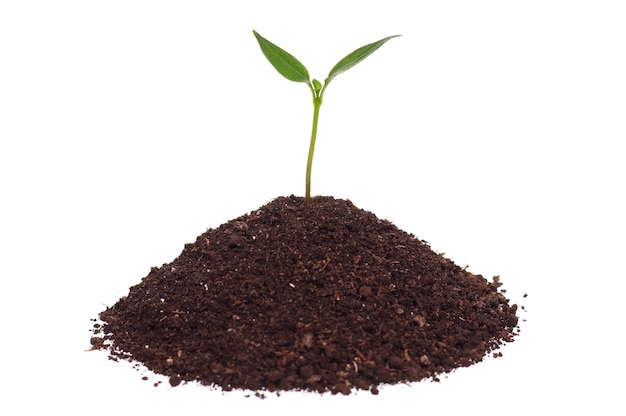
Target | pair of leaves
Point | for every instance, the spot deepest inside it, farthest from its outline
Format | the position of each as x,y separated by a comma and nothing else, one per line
292,69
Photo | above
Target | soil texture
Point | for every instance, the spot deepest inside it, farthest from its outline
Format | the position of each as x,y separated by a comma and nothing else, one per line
319,296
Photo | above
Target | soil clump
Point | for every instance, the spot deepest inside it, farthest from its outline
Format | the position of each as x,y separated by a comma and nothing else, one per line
319,296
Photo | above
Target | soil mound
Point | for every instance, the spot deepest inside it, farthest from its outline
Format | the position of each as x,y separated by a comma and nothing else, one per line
319,296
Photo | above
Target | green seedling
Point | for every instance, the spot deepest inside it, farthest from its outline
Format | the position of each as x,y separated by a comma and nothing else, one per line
292,69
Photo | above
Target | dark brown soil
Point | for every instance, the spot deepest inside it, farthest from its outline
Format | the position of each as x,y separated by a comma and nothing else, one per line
321,296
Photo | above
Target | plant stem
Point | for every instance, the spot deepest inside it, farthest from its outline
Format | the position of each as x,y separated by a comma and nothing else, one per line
317,103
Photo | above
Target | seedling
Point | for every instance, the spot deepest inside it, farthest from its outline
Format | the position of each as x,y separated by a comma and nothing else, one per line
292,69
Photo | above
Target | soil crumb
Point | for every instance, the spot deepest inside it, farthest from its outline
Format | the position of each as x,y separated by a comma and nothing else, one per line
319,296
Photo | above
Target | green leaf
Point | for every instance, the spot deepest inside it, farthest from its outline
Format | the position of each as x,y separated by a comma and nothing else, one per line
285,63
355,57
317,86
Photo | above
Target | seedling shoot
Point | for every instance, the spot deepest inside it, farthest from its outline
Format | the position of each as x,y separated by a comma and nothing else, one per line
292,69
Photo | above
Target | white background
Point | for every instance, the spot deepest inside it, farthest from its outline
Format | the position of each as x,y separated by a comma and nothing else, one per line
492,129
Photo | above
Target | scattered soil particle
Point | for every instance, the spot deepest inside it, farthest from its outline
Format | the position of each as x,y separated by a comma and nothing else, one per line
319,296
